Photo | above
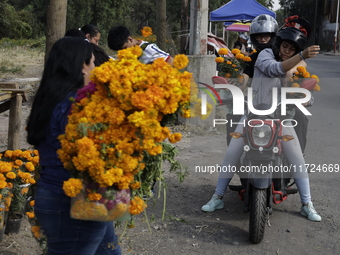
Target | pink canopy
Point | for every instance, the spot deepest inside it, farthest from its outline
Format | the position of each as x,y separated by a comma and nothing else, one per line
238,27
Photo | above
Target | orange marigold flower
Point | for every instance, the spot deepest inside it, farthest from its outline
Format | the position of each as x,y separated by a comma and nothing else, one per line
11,175
17,153
146,31
223,51
18,162
8,153
180,61
137,205
72,187
317,87
94,196
219,60
174,138
30,215
235,51
32,203
24,191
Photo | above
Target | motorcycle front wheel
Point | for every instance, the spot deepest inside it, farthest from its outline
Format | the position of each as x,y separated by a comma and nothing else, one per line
257,217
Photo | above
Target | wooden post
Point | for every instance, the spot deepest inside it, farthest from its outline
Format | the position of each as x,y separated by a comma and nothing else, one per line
14,126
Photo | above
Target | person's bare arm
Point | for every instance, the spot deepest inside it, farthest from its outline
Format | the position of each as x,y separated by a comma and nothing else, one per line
170,60
310,52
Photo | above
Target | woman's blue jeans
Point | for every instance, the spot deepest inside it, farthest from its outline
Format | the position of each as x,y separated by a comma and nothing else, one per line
68,236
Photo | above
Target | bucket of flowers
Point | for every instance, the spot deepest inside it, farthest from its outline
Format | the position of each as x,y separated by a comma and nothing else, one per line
231,66
115,121
17,170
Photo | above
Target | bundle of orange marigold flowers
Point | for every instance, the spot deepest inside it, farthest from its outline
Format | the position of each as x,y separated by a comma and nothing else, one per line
114,121
230,65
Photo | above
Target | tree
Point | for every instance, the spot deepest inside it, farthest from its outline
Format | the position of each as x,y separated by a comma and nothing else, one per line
56,23
161,23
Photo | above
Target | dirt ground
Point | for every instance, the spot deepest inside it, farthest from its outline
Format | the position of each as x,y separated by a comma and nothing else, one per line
186,229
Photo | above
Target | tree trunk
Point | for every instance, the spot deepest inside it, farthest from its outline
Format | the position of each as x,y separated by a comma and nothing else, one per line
56,23
161,23
184,24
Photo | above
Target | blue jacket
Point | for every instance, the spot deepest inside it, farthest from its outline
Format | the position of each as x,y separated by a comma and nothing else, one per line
53,174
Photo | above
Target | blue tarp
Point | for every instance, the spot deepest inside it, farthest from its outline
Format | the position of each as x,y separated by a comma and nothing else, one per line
240,11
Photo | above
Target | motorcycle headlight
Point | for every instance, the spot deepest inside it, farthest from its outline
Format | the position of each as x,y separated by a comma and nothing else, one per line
261,134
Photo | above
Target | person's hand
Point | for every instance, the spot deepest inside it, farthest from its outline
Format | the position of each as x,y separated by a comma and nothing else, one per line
311,51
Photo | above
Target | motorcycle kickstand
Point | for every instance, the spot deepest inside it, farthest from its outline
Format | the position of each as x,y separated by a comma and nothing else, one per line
268,220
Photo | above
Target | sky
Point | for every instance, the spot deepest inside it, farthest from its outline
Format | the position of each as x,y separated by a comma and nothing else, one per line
276,5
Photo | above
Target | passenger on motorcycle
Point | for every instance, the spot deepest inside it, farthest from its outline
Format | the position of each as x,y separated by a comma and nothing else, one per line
287,51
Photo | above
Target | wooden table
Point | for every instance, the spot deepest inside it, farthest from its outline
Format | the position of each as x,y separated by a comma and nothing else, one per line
11,98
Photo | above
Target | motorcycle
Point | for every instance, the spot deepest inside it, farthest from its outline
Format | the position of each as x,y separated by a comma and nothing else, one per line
260,189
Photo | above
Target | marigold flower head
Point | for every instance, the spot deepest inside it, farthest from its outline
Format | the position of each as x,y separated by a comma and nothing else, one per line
72,187
137,205
180,61
219,60
235,51
223,51
146,31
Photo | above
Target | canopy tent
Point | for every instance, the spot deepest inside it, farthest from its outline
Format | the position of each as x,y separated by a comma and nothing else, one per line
240,11
238,27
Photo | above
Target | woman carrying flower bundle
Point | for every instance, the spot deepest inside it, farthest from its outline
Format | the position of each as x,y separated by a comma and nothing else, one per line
67,69
287,51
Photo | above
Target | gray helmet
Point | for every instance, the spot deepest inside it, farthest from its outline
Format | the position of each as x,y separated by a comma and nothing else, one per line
263,24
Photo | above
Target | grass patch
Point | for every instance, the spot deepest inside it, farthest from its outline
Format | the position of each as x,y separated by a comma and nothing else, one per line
8,67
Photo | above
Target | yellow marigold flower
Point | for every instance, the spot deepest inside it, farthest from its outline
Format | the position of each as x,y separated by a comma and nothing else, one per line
233,65
9,185
180,61
17,153
3,184
72,187
315,77
239,56
317,87
135,185
11,175
32,203
35,152
94,196
174,138
30,215
29,166
227,75
8,153
235,51
247,59
219,60
24,191
301,69
137,205
223,51
295,85
146,31
18,162
306,74
229,62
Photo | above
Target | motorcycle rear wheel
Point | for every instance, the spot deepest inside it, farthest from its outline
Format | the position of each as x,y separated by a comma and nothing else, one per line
257,217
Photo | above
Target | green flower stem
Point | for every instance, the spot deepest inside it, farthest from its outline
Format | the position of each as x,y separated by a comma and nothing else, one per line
164,204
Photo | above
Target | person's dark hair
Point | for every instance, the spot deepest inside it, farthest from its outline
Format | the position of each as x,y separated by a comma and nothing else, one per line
62,74
75,33
117,37
90,29
100,55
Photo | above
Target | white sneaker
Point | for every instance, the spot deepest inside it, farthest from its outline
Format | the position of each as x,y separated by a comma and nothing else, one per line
309,212
215,203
